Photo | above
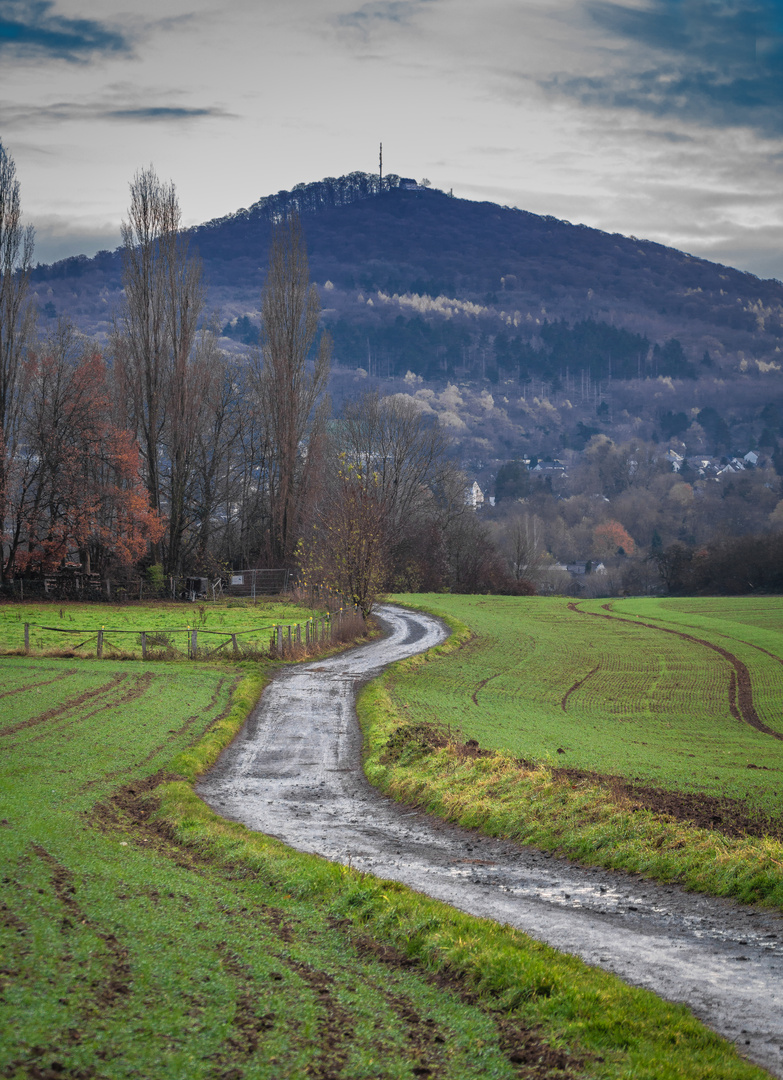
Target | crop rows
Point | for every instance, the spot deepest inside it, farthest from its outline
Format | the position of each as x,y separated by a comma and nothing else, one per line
595,689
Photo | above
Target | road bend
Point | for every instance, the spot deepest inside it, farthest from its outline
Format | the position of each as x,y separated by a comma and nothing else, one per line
294,772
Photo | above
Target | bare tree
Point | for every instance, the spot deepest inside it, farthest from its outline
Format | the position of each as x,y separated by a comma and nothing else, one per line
521,539
291,382
402,451
161,383
16,318
347,548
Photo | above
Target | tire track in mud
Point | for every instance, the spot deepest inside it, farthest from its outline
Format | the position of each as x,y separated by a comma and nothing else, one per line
580,682
66,706
294,772
174,733
37,685
483,683
115,984
740,693
139,687
729,637
131,808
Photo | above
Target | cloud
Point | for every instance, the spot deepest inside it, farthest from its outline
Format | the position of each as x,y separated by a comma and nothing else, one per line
58,112
381,11
28,28
58,237
716,62
164,112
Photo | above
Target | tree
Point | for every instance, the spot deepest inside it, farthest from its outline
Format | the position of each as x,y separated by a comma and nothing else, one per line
160,383
347,549
521,539
290,384
76,488
16,319
612,539
398,449
512,481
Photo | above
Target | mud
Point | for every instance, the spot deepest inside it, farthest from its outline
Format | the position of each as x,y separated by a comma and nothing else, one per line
295,772
65,707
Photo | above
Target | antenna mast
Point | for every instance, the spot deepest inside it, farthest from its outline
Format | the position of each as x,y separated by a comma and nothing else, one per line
380,168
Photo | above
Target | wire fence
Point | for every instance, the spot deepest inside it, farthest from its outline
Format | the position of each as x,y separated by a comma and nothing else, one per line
277,640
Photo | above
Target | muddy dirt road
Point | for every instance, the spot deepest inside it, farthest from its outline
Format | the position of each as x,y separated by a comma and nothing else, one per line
294,772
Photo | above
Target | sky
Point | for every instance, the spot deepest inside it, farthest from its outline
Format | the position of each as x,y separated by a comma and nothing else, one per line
661,119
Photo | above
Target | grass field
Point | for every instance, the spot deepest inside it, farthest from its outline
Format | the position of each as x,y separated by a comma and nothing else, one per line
638,735
142,936
62,627
619,691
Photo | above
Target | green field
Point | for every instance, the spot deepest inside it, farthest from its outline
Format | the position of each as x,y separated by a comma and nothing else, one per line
142,936
63,627
685,695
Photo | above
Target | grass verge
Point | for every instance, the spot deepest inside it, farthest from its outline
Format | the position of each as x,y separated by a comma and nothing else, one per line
597,1025
581,818
143,935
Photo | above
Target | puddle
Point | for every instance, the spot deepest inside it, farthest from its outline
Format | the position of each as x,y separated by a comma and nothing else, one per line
294,772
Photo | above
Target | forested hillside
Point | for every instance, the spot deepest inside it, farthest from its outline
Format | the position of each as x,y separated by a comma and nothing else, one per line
469,288
630,394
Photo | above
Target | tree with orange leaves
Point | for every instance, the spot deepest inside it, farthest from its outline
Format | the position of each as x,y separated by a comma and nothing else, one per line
611,539
76,493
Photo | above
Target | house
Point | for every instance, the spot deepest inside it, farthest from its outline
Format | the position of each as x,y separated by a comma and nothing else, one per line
674,459
549,468
579,569
751,458
474,496
408,184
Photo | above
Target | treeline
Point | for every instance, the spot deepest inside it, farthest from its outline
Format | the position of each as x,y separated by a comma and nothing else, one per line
170,455
477,349
734,567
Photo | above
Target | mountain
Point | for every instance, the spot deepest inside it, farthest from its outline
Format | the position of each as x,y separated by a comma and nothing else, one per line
423,291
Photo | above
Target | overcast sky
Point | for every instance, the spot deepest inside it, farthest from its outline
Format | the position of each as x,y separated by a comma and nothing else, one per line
658,118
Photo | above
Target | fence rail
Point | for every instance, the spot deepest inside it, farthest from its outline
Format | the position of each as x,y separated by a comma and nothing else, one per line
285,640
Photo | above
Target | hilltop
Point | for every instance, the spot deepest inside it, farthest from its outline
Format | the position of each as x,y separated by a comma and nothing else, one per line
425,293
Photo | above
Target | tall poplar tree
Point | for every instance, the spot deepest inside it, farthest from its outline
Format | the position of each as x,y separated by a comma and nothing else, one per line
161,374
16,320
290,383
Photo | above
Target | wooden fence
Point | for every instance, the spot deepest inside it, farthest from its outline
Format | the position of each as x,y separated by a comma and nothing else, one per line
285,640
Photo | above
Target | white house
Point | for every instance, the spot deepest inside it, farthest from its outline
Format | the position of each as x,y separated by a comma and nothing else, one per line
474,496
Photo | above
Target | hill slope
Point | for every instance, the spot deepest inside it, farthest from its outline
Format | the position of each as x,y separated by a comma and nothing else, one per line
572,329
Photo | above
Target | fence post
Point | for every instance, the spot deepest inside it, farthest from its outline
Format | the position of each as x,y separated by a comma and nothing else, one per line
100,644
307,634
289,638
280,640
193,644
27,637
144,644
234,644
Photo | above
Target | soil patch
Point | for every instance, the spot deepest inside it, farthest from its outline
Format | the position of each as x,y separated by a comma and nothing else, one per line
724,815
